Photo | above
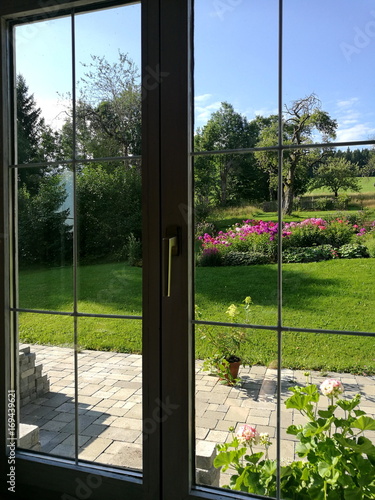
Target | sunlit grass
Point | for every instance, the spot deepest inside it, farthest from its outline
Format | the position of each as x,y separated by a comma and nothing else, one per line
332,295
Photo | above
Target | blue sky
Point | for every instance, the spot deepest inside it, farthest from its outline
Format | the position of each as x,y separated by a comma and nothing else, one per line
329,49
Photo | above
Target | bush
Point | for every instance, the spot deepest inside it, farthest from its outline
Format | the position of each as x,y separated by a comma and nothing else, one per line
342,202
109,209
201,228
309,254
210,257
324,204
369,241
134,250
339,232
353,251
245,259
44,233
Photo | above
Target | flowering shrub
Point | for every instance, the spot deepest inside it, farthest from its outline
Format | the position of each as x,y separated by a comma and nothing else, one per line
260,237
338,461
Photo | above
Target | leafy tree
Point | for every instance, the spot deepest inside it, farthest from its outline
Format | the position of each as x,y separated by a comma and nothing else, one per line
36,141
302,120
336,174
370,166
229,177
109,210
108,113
44,236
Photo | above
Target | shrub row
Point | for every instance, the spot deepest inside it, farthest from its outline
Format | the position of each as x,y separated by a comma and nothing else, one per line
211,257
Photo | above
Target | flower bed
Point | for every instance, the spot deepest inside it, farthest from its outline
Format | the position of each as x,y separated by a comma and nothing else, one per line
255,242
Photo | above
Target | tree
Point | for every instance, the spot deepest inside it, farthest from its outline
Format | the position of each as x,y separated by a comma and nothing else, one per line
108,112
369,169
109,210
44,236
336,174
302,120
36,141
229,177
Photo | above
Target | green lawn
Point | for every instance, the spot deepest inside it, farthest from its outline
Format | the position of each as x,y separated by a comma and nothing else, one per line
367,183
337,294
225,218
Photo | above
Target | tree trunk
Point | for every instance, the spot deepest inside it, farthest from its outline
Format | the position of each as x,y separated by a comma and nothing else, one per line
288,199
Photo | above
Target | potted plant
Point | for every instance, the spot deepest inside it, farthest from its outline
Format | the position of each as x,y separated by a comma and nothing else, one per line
225,344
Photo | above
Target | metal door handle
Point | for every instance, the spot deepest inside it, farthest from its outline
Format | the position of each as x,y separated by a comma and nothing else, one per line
170,248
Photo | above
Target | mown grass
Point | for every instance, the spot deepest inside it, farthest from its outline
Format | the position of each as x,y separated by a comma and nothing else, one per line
367,184
337,295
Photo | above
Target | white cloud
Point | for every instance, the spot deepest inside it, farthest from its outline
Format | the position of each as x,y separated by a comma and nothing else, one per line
352,124
358,132
202,98
265,112
349,102
203,113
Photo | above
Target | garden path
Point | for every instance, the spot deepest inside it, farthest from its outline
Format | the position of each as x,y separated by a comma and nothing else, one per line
110,405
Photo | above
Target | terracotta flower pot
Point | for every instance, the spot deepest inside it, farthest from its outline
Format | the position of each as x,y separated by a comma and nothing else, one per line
234,366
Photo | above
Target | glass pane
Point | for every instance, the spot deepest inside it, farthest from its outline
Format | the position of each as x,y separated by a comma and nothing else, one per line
110,249
46,384
329,270
236,235
109,82
229,404
342,181
229,81
345,43
44,83
334,375
110,397
45,241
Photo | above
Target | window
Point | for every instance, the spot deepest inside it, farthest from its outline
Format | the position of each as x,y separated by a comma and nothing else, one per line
238,103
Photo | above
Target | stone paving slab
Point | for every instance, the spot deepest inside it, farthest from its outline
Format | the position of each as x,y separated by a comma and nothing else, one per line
110,405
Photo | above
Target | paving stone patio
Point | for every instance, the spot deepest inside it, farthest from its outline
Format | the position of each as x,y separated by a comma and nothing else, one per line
110,405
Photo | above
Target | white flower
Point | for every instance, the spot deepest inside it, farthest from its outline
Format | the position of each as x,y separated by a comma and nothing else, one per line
332,387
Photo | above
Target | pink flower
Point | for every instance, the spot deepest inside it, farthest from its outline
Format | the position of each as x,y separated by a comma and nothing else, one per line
248,434
332,387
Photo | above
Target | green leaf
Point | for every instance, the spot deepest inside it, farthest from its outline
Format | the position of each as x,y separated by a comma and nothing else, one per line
364,423
349,405
294,429
254,458
324,469
297,401
302,449
353,494
358,413
325,413
226,458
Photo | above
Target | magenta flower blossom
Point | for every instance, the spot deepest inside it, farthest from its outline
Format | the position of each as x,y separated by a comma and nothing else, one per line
332,388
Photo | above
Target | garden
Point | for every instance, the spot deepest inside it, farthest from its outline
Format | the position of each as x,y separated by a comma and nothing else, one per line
311,240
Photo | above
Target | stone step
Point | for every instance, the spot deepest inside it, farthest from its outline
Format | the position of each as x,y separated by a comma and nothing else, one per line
28,437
